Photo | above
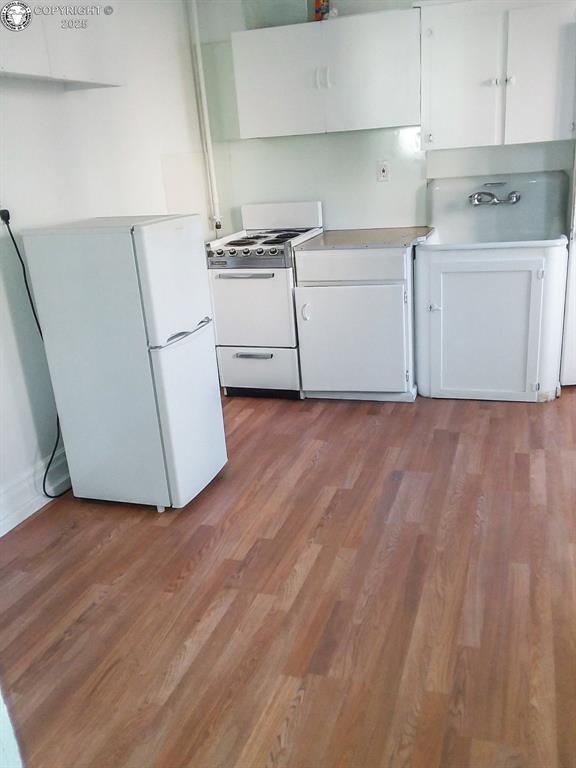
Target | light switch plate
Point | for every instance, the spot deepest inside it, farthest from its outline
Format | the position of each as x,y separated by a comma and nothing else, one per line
383,171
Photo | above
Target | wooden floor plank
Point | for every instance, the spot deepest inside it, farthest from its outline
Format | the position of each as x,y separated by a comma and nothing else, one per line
365,585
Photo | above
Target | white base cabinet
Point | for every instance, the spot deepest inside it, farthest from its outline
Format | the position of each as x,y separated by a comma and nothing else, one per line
352,338
489,321
354,317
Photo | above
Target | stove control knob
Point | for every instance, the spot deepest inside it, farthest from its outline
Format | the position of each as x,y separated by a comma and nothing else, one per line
273,251
220,252
246,251
259,251
232,252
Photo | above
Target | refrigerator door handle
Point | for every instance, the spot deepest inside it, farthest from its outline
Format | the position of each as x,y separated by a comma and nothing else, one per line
183,334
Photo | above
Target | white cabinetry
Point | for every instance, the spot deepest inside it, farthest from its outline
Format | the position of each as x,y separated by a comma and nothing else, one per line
354,316
352,338
541,74
489,320
494,75
462,70
344,74
372,70
278,80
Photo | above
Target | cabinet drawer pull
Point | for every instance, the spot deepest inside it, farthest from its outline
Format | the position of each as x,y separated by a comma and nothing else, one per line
254,355
305,311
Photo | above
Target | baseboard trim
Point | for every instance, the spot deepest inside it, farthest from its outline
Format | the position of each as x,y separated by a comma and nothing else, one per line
22,497
384,397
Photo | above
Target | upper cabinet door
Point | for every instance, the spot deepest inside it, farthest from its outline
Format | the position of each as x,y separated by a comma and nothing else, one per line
371,74
540,82
278,80
462,77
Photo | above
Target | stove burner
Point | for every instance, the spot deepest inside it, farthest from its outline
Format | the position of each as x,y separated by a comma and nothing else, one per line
276,240
243,241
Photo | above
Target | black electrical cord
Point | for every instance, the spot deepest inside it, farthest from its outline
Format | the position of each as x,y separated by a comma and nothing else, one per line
5,217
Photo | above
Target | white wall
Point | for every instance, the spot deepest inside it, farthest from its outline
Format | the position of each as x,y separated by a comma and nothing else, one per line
76,154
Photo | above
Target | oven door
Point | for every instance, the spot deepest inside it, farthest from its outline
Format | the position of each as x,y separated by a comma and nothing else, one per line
253,307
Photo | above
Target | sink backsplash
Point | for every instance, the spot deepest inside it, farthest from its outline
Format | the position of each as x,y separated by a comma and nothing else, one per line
539,214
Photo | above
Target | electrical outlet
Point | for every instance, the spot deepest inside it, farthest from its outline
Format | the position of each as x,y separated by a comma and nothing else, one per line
383,171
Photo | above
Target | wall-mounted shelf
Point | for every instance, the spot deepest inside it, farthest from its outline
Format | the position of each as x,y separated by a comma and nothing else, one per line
77,58
69,85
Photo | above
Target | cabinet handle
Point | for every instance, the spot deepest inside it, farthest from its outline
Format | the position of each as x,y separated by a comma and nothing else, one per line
434,308
495,81
429,138
511,80
317,78
304,311
254,355
327,77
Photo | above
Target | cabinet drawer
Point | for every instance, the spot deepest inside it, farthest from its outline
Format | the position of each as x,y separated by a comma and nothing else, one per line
353,265
258,367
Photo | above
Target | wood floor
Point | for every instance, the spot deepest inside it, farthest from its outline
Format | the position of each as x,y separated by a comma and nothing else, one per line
365,586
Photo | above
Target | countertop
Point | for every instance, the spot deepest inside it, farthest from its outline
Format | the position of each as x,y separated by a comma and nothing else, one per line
334,239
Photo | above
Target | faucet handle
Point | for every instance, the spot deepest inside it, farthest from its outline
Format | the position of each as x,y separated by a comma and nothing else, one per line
482,198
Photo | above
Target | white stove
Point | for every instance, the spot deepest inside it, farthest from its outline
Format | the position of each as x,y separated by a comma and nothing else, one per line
258,248
252,283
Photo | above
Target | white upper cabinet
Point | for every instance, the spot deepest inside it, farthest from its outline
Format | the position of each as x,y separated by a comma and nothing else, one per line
372,74
540,78
462,70
278,73
497,74
344,74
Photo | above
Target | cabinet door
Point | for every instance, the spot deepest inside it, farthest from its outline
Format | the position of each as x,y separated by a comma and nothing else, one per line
462,77
25,52
485,328
278,80
352,338
372,70
540,83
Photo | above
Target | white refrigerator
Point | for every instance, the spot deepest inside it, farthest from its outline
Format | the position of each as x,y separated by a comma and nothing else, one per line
125,309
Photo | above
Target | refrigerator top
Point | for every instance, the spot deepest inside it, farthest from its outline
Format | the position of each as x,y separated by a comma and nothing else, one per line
110,223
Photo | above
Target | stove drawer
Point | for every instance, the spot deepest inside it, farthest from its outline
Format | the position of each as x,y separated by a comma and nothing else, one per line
253,307
258,367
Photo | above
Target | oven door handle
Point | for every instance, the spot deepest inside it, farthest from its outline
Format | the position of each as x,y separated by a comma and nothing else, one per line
254,355
252,276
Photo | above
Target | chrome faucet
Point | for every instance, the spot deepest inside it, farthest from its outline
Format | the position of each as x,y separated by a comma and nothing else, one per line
489,198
